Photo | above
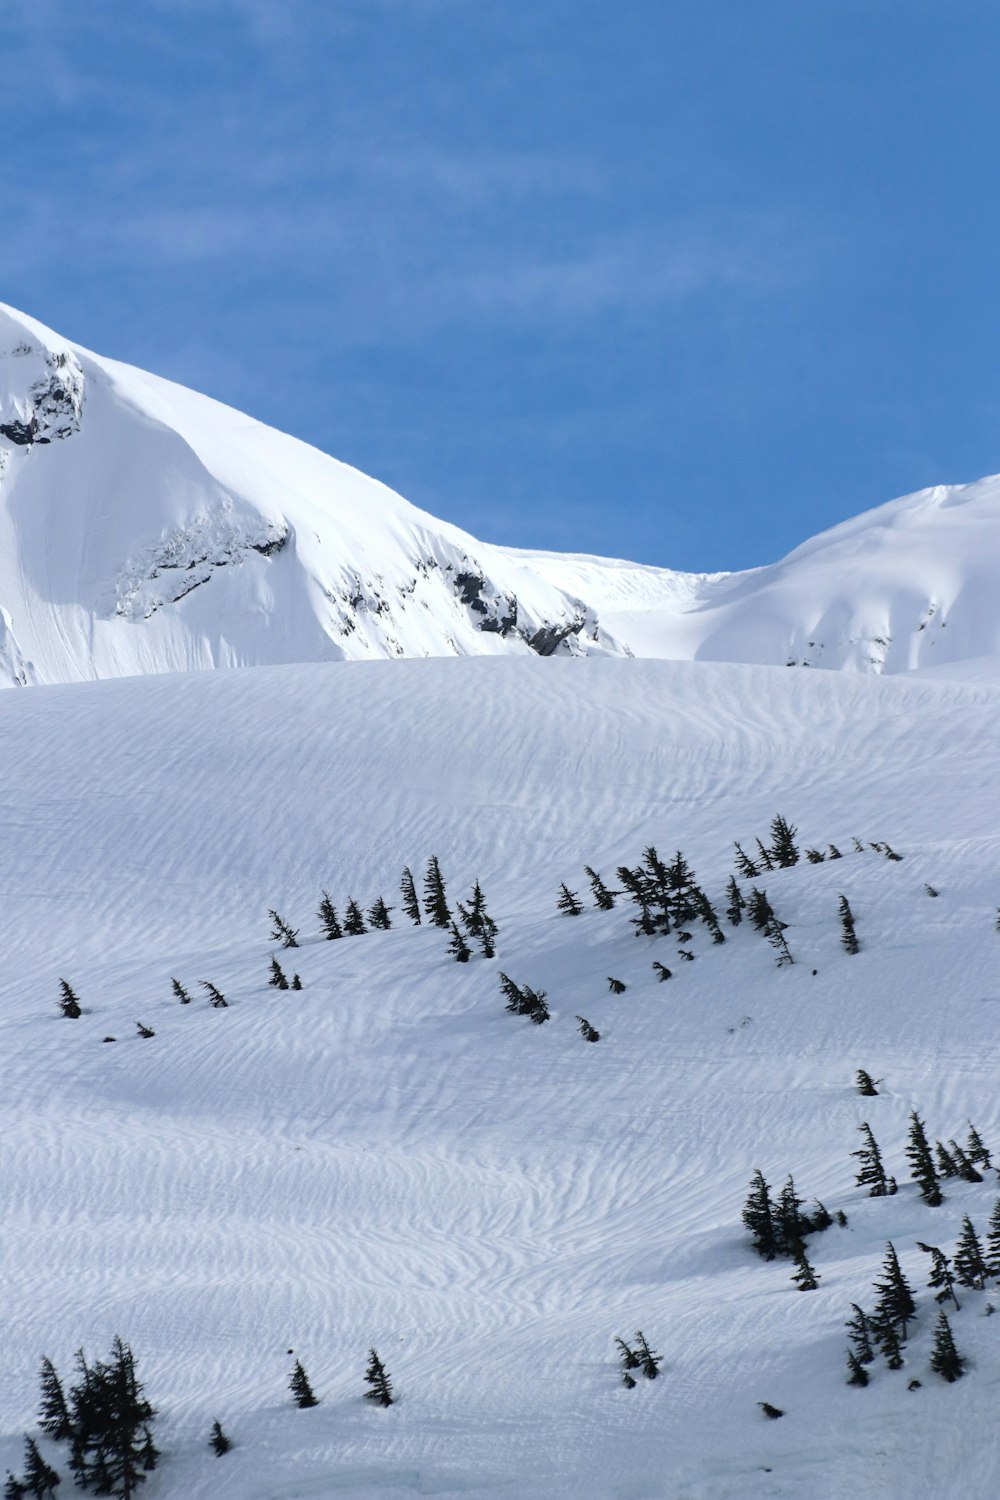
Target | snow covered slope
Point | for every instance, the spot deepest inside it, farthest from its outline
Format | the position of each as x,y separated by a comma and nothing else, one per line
144,529
387,1157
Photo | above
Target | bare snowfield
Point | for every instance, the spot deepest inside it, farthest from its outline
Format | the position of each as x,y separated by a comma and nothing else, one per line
388,1158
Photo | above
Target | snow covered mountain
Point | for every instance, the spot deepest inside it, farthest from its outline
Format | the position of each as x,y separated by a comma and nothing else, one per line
145,529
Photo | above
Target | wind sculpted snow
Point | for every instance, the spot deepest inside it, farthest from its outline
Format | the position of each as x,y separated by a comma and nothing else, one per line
388,1158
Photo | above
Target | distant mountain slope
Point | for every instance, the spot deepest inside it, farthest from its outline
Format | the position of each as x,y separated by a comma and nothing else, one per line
145,528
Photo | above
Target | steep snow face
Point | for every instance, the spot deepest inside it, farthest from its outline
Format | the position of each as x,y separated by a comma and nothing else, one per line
144,528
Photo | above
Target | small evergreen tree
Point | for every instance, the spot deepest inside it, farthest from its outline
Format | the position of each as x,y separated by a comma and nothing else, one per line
766,862
865,1083
377,1380
872,1173
889,1342
832,852
945,1358
946,1164
744,865
649,1361
930,890
277,979
511,993
40,1479
458,947
821,1219
220,1442
849,938
629,1362
69,1003
281,932
14,1489
804,1276
759,1217
941,1281
604,899
859,1333
965,1168
774,1412
814,857
180,992
378,915
783,851
992,1256
588,1032
856,1372
435,899
53,1416
569,902
790,1224
616,986
296,982
535,1007
977,1151
759,909
302,1391
661,971
327,914
411,905
918,1154
970,1265
735,902
146,1031
354,919
475,918
895,1300
215,995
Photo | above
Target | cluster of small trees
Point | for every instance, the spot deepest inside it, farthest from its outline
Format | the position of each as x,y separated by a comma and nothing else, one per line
473,915
522,1000
884,1330
779,1227
953,1160
376,1378
106,1421
641,1358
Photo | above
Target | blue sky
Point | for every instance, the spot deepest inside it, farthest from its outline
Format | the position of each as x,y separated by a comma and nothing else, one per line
681,280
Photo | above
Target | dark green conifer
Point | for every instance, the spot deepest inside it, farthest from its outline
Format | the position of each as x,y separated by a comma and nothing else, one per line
277,979
945,1358
859,1333
865,1083
588,1032
918,1154
804,1276
821,1219
941,1280
435,899
328,917
735,902
759,1217
281,932
965,1168
296,982
69,1003
871,1172
616,986
377,1380
215,995
660,970
411,905
604,899
773,1412
378,915
849,938
895,1296
568,902
458,947
765,860
992,1255
946,1163
814,857
790,1224
15,1490
53,1415
833,852
220,1442
970,1264
354,919
890,1344
856,1372
302,1391
146,1031
744,865
784,850
649,1360
40,1479
180,992
977,1151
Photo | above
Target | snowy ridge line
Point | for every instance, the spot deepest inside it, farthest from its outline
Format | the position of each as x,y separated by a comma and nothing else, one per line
147,529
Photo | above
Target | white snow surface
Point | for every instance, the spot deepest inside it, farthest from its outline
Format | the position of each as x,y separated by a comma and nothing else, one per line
388,1158
146,529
